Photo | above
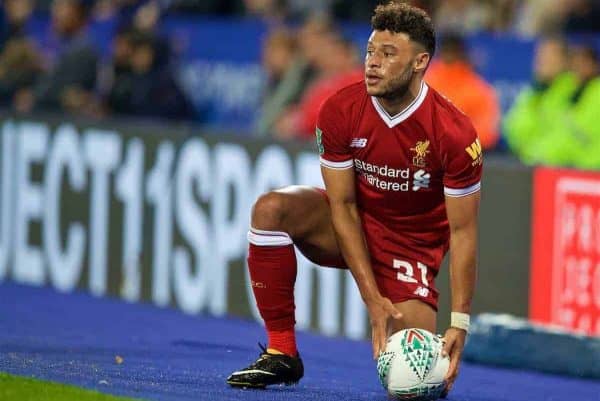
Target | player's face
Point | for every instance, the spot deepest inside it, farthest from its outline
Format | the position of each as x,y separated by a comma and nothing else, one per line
391,62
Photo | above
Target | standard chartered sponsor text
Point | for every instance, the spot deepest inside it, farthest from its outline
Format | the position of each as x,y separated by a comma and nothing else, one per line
373,172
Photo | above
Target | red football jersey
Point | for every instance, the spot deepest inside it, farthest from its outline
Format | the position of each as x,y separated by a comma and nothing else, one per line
404,165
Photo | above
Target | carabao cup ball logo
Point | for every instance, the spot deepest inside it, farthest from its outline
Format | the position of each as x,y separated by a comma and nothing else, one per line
419,352
417,349
411,368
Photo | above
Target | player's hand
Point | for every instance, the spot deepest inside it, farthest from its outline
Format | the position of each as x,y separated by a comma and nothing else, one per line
454,343
380,311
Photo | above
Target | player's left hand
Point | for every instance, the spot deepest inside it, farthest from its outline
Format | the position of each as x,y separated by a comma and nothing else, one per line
454,342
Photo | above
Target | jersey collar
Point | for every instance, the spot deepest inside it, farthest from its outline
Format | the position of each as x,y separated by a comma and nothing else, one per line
392,121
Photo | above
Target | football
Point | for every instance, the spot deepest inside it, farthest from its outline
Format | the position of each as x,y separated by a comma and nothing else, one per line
412,366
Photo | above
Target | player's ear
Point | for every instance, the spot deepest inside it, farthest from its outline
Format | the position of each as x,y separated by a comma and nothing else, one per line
421,61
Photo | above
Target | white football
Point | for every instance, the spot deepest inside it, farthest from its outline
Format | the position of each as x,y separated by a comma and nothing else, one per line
412,366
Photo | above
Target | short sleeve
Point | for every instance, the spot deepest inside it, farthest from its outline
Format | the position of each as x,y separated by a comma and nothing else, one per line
462,159
334,150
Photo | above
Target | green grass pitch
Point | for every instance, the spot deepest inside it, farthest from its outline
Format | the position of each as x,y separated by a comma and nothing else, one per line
13,388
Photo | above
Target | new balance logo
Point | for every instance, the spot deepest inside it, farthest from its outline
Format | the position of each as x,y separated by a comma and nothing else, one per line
421,180
422,292
358,143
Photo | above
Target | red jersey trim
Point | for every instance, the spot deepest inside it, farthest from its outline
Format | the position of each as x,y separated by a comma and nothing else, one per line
343,165
458,192
392,121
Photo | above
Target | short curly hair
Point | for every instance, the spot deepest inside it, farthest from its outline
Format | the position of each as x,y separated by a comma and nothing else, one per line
403,18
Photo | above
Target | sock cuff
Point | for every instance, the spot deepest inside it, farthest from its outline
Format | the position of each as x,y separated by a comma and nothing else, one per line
268,238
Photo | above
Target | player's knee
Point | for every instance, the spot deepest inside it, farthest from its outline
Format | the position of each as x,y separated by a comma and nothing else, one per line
269,211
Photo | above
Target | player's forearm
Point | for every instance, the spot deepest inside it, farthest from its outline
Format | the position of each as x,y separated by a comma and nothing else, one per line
350,236
463,267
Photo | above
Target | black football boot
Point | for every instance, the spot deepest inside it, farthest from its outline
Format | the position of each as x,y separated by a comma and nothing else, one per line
267,370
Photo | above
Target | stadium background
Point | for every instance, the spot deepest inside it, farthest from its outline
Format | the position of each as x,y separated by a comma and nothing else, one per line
152,207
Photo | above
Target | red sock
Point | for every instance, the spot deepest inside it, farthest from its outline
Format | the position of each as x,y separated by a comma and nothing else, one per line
272,264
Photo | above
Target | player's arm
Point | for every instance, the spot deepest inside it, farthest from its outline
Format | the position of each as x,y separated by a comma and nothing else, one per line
347,225
340,187
463,219
463,168
462,214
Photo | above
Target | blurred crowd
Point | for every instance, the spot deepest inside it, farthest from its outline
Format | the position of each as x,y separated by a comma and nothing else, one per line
67,73
552,121
531,17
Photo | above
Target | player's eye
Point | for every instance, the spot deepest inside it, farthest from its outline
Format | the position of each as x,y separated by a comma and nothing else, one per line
370,53
388,54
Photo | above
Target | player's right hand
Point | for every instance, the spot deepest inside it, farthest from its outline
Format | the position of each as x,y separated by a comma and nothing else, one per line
381,309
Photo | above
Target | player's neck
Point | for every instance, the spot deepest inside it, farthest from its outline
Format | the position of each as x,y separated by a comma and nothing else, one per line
395,105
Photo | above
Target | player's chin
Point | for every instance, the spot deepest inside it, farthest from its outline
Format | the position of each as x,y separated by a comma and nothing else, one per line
375,90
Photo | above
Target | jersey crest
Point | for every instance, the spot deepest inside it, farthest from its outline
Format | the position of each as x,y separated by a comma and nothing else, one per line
421,150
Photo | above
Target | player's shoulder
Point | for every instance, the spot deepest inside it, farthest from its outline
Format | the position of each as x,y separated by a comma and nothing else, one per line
346,99
447,116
